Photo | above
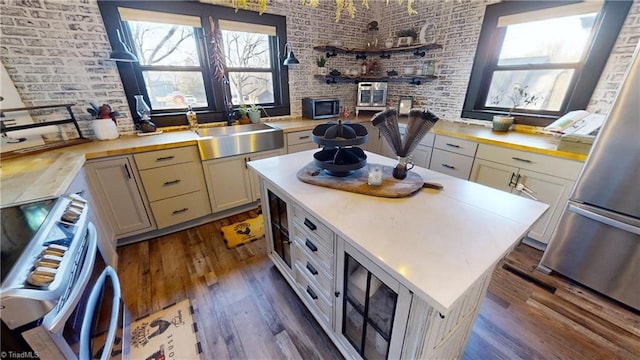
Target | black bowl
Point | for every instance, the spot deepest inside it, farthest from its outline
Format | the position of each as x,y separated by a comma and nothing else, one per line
340,161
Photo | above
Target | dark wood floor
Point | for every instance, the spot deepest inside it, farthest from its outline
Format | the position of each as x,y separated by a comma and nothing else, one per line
246,310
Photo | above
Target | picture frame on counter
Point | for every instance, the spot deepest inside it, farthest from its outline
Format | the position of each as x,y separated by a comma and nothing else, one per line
405,104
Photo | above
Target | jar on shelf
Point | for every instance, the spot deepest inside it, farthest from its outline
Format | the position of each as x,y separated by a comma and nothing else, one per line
429,67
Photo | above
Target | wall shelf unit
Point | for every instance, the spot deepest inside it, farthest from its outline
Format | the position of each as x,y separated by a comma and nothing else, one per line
413,80
384,53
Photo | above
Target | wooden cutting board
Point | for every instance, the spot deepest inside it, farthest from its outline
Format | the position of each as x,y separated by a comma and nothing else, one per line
356,181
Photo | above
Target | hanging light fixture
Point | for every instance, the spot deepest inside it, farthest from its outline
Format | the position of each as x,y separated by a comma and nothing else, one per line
121,52
291,59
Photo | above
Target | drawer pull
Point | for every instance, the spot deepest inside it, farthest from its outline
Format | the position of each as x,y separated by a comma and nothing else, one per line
311,245
449,166
179,211
173,182
521,159
312,293
303,137
311,269
453,145
309,224
165,158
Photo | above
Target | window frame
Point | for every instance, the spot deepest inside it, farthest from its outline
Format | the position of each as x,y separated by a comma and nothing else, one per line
131,73
584,81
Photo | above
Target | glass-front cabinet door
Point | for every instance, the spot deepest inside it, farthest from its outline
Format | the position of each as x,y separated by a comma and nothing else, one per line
279,227
373,309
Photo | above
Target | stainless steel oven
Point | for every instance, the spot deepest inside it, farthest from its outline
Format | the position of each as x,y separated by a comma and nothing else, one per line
59,299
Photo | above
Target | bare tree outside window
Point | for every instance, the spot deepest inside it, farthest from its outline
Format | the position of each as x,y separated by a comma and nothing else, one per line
170,64
248,64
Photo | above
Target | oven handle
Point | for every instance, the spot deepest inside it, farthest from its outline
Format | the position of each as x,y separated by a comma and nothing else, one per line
57,323
92,303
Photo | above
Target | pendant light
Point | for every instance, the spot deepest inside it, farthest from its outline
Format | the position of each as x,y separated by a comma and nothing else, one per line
291,59
121,52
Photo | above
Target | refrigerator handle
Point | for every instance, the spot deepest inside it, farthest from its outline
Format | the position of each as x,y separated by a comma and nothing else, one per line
605,220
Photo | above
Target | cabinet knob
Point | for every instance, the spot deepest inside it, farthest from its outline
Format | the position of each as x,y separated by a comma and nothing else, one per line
337,293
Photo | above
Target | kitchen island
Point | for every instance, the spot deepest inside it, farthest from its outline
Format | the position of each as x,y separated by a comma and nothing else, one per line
432,254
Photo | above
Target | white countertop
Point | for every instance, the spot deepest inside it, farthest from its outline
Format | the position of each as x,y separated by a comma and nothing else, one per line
437,243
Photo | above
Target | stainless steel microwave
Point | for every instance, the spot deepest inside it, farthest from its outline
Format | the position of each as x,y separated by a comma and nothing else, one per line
320,107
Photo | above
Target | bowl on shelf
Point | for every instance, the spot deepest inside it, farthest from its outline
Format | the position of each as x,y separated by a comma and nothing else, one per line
407,70
336,43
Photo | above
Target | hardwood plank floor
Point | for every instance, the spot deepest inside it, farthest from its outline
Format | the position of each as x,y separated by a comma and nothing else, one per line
245,309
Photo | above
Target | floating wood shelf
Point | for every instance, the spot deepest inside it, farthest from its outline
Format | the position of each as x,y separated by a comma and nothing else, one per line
385,53
413,80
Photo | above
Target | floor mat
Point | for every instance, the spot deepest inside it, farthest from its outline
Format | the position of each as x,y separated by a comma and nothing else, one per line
167,334
243,232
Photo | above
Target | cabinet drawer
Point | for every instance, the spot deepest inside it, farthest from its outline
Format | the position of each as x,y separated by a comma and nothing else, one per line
316,273
181,208
158,158
564,168
451,164
320,305
169,181
299,137
316,249
314,227
301,147
458,146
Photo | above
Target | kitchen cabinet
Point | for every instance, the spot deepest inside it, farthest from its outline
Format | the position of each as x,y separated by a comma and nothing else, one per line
422,153
117,188
373,140
276,219
453,156
300,141
366,311
543,178
230,183
253,178
314,263
106,237
373,307
174,184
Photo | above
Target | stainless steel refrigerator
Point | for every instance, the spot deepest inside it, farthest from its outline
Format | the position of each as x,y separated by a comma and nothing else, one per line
597,242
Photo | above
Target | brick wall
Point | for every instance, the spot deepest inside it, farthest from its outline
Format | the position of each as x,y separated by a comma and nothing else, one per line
55,52
457,26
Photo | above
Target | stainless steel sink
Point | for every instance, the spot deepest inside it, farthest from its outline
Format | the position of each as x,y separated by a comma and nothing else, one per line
217,142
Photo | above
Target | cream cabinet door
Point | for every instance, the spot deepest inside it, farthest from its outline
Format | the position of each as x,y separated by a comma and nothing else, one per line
115,183
551,190
228,182
492,174
373,140
422,156
253,178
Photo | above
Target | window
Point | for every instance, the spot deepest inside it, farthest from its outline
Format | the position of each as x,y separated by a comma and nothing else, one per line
539,60
172,42
248,64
